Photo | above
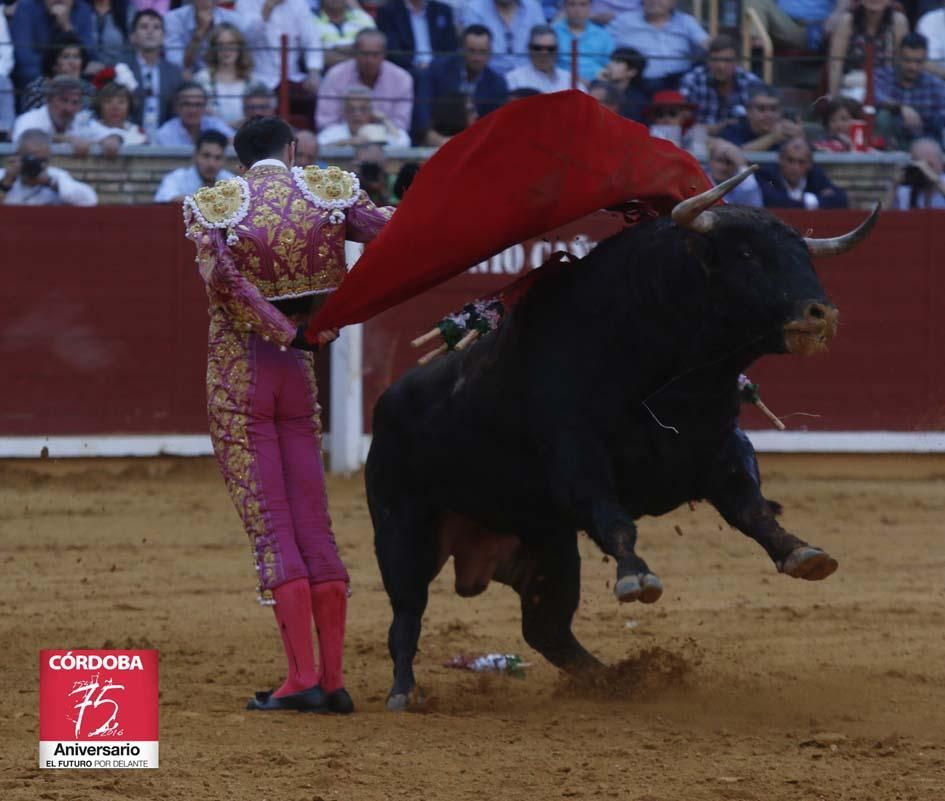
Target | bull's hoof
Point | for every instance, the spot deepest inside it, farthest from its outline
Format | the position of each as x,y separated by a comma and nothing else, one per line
398,702
809,563
646,588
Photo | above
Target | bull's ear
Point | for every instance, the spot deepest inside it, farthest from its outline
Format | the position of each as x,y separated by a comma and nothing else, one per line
702,251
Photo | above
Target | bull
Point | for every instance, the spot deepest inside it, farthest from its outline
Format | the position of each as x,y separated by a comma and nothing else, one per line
607,394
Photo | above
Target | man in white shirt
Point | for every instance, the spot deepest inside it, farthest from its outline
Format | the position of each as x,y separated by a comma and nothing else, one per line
28,180
206,170
187,32
7,112
932,26
359,120
61,120
266,21
542,72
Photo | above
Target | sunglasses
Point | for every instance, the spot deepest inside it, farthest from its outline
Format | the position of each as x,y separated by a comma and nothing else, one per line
659,113
535,48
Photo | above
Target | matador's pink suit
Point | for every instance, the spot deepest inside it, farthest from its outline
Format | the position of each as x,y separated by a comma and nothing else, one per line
274,235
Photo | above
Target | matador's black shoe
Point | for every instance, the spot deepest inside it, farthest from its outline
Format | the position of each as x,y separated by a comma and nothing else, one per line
310,700
339,702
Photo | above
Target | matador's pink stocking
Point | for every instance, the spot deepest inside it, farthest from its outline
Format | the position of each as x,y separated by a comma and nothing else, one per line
294,615
329,605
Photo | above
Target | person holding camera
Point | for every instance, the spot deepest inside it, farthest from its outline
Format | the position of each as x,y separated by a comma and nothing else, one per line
28,180
921,184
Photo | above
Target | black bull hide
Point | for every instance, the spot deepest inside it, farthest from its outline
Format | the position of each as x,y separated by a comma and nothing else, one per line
609,393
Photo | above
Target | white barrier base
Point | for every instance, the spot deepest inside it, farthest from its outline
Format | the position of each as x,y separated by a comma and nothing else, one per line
199,445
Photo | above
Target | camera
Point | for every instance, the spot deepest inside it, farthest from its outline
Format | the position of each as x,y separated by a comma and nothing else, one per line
31,166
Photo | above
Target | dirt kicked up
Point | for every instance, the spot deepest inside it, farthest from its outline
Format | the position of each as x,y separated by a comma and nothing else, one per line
738,684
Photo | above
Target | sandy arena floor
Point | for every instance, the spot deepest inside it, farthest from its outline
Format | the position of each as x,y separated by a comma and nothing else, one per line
740,683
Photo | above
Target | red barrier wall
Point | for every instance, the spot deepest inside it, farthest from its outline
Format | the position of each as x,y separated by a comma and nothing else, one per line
103,325
885,370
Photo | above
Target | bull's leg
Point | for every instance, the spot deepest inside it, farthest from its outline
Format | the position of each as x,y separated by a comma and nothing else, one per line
737,496
550,589
406,555
585,483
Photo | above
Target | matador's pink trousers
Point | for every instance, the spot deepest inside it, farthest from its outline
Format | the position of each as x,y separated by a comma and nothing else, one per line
264,423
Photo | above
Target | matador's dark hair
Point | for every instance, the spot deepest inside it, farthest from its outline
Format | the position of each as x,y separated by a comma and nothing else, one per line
261,138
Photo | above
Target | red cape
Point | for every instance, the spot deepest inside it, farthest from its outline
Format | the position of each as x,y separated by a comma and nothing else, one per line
533,165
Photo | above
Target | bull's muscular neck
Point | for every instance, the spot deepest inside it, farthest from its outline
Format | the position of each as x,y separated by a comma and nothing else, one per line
636,318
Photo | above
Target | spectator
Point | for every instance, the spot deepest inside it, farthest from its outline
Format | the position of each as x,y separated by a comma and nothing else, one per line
206,170
306,149
605,93
28,180
670,117
258,101
764,127
358,117
911,102
109,32
837,118
719,88
405,176
112,107
370,164
158,79
625,72
269,21
797,183
872,22
35,25
922,183
604,11
799,24
60,119
191,120
390,85
7,106
335,28
541,72
593,42
228,73
465,73
725,161
668,38
932,26
417,31
453,113
509,22
64,56
187,32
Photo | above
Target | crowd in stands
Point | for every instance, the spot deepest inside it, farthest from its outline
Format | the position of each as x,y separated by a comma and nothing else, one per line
110,74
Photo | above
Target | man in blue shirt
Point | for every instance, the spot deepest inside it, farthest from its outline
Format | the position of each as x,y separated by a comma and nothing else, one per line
191,120
467,73
206,170
719,88
669,40
911,102
34,25
509,22
594,43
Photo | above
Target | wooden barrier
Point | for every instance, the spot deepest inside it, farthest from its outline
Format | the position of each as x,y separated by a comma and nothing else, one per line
103,325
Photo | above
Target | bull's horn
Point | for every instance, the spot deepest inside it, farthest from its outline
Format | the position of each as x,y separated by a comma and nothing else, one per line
834,246
692,213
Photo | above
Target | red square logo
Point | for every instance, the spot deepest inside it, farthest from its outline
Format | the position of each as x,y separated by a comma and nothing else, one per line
98,709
